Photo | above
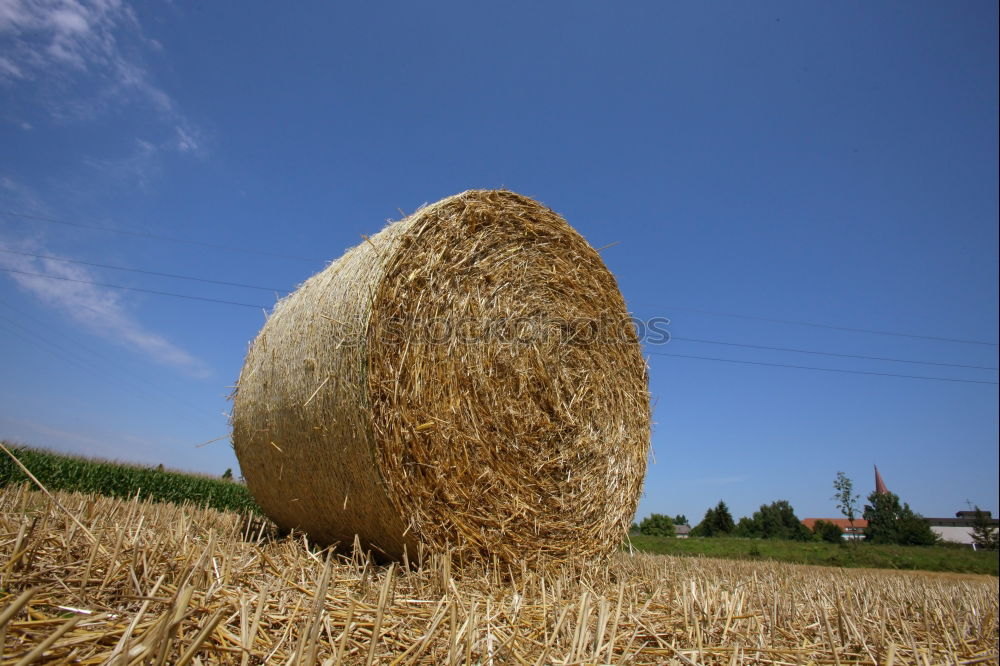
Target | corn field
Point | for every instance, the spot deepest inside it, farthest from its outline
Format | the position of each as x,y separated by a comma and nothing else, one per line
63,472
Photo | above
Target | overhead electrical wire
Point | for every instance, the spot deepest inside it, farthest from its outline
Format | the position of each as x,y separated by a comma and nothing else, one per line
119,381
795,322
50,348
716,313
275,290
102,362
91,368
835,354
285,291
139,289
810,367
169,239
688,356
175,276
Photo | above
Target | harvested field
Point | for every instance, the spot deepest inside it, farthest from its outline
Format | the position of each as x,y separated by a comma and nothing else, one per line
136,582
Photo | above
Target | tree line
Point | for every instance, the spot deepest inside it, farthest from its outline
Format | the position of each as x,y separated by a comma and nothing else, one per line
888,522
772,521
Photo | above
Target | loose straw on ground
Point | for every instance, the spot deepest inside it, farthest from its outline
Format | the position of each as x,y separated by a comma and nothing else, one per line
186,583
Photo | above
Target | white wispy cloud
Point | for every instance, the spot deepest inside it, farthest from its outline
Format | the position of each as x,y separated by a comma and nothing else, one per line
51,34
101,310
83,58
74,62
9,69
20,195
139,168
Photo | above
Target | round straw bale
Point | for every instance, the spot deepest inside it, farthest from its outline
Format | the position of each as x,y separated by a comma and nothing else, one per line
467,379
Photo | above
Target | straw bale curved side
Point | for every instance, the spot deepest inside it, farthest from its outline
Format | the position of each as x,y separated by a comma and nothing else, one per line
466,379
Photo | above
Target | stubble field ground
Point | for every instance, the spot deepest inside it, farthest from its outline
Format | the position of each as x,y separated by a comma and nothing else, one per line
73,473
89,579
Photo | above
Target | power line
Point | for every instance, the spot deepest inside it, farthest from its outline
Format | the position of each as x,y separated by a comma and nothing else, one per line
92,368
229,248
703,358
35,339
273,290
102,360
697,340
67,356
169,239
146,272
850,329
60,352
809,367
145,291
836,354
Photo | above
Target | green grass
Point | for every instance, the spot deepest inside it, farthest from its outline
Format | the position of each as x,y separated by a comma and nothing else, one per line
927,558
62,472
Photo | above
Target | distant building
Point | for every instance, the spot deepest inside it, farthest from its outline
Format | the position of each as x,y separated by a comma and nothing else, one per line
680,531
959,528
855,532
956,530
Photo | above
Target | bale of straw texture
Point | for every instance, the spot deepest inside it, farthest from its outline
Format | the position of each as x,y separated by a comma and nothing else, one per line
466,379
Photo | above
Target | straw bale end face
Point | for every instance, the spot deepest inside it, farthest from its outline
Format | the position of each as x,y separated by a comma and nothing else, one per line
466,379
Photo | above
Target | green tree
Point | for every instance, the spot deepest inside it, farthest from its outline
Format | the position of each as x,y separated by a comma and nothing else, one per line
888,522
847,500
702,528
827,531
776,520
657,525
680,519
717,522
723,519
983,534
747,529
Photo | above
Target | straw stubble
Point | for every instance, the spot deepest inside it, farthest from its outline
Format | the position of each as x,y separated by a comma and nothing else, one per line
188,582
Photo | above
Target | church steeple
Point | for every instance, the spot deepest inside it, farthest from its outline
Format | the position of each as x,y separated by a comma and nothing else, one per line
880,488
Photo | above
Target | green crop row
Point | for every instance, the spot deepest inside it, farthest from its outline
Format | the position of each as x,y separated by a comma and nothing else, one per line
857,554
62,472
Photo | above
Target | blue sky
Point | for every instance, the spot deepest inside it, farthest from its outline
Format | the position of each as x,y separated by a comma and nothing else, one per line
807,162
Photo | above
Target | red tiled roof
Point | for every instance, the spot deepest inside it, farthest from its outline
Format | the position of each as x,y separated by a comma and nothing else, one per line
842,523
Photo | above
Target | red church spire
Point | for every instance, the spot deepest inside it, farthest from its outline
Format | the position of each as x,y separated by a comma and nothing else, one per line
880,484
